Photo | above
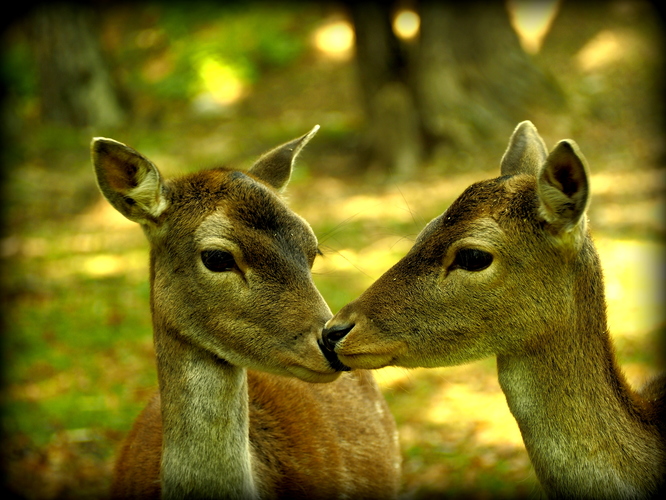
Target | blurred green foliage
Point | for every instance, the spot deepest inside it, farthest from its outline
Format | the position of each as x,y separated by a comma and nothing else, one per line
88,328
18,70
249,41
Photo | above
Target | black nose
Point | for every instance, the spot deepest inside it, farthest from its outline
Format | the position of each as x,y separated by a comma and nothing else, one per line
334,334
327,345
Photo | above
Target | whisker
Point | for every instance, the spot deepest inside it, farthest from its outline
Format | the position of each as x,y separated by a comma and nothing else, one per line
336,228
408,237
333,250
420,223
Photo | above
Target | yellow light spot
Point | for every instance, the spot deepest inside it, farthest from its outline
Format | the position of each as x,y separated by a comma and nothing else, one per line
103,265
335,39
603,49
223,81
488,408
406,24
634,273
531,20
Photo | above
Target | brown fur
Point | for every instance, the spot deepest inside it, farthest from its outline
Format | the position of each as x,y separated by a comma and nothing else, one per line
539,307
316,469
237,348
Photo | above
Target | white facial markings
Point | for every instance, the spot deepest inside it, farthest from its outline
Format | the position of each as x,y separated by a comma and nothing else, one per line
215,233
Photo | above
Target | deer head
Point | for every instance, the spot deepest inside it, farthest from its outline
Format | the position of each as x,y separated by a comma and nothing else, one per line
492,275
230,262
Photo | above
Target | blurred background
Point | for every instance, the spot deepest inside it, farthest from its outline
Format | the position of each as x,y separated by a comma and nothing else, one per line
416,100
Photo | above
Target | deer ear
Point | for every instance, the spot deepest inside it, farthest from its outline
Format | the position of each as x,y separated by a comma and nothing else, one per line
275,166
526,151
563,186
130,182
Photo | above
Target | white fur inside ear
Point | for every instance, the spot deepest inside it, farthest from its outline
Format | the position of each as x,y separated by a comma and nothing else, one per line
147,194
130,182
572,232
550,199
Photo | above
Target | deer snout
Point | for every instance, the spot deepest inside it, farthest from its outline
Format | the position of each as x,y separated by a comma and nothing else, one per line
329,338
333,334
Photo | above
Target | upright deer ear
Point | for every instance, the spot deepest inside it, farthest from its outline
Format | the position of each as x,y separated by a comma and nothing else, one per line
563,186
275,166
526,151
130,182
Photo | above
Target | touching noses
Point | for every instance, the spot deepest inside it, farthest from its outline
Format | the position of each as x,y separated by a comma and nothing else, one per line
334,333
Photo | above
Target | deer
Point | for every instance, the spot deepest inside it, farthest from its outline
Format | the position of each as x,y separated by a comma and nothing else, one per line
249,404
510,270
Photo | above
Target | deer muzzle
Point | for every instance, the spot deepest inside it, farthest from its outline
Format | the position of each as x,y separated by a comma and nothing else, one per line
329,338
334,333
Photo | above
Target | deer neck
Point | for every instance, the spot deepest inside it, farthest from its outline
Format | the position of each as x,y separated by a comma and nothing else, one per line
570,399
205,419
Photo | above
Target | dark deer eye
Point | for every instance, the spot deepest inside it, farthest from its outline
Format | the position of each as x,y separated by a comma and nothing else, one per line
471,259
218,261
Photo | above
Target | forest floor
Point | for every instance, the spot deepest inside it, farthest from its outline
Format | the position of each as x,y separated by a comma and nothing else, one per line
78,356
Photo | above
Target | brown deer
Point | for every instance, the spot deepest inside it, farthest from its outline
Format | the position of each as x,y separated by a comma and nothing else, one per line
237,327
510,270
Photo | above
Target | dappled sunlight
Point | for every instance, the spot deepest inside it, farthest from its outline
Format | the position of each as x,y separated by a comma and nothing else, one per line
340,260
100,243
414,201
406,24
605,48
373,207
390,375
102,216
368,263
635,274
104,265
131,265
488,408
532,20
455,426
335,39
634,182
223,81
462,396
628,200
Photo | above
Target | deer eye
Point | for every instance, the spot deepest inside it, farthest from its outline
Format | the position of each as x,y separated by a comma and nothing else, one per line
471,259
218,261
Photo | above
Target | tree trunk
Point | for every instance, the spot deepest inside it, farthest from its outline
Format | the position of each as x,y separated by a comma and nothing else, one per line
75,84
464,83
392,142
473,79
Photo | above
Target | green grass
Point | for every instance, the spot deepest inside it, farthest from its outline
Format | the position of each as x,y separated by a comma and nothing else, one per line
75,353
